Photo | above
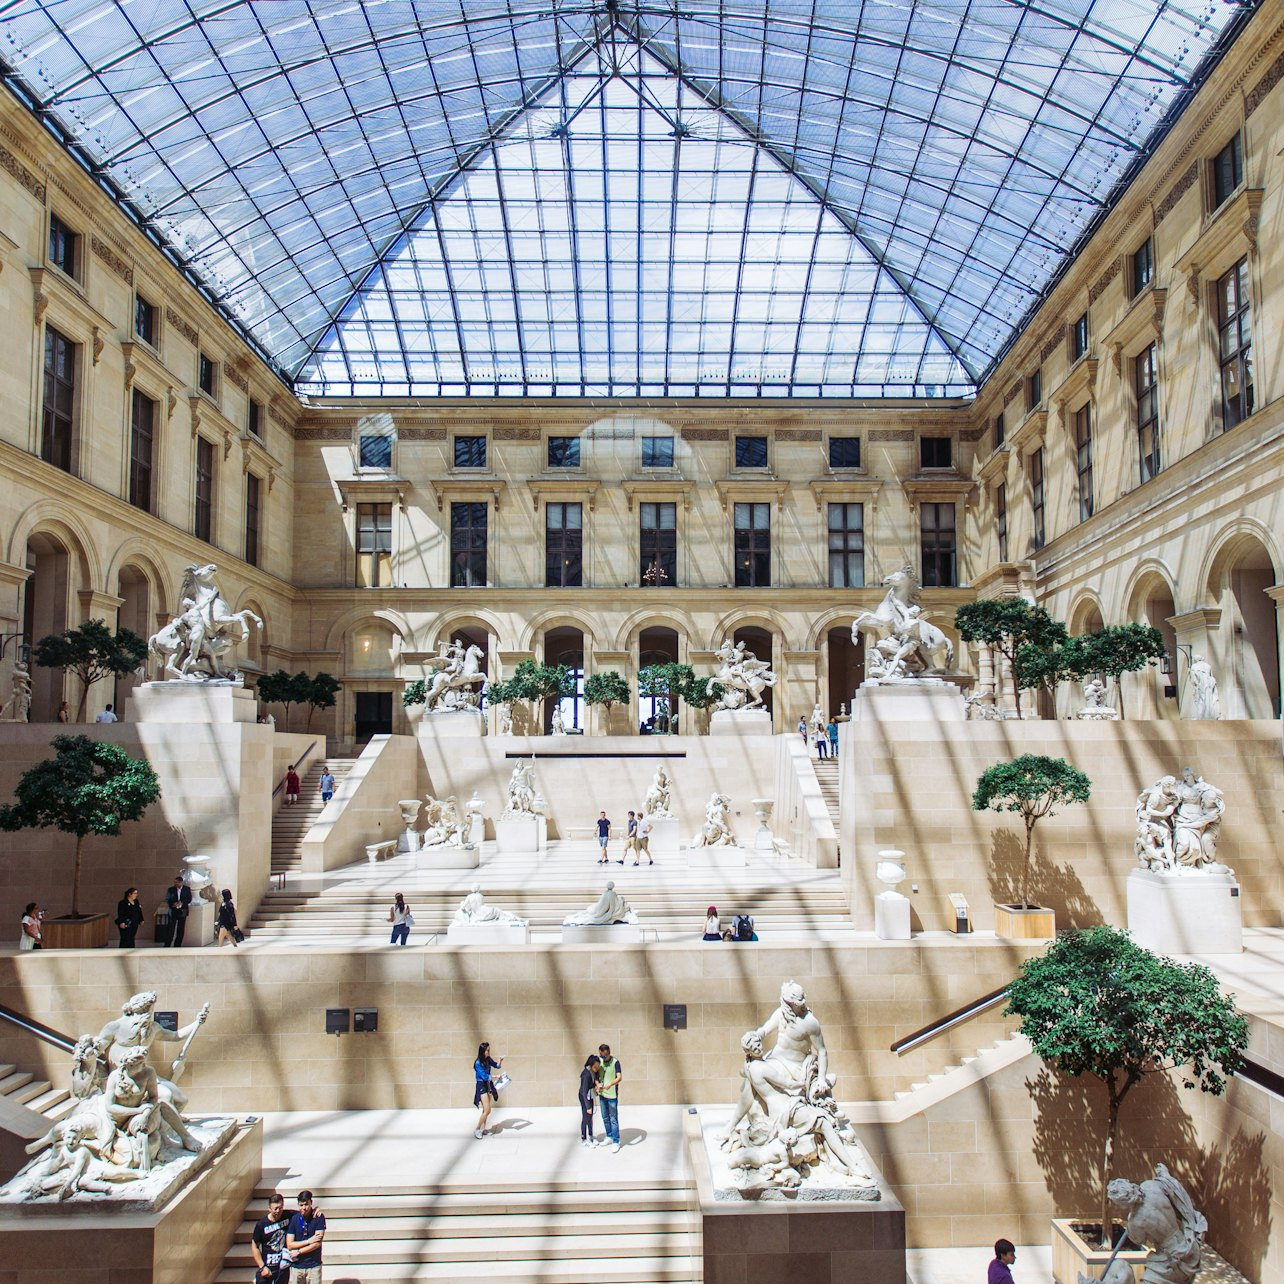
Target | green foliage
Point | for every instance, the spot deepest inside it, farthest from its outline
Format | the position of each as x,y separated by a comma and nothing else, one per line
88,787
542,681
1007,625
607,688
322,689
1099,1004
1117,649
700,693
503,692
318,692
415,692
92,652
1032,785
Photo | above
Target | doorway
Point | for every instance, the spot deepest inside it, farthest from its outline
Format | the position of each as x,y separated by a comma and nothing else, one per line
373,716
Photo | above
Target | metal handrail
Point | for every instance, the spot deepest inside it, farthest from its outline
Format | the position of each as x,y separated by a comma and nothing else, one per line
958,1017
29,1025
296,766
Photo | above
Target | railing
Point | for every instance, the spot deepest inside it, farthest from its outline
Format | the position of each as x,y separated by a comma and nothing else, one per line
1263,1077
295,766
958,1017
29,1025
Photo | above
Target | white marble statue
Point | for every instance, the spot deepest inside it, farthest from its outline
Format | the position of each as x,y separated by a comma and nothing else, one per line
1159,1215
521,790
559,723
506,718
1095,708
443,825
981,707
456,678
1207,701
658,798
193,644
18,706
609,908
817,721
474,909
901,645
1178,823
716,830
742,675
136,1027
786,1127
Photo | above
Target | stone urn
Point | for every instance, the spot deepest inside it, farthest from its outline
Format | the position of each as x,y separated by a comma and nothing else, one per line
892,920
409,840
890,870
475,810
198,877
762,809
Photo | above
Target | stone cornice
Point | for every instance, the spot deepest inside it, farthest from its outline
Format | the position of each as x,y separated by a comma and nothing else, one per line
1140,325
583,490
468,488
859,490
663,489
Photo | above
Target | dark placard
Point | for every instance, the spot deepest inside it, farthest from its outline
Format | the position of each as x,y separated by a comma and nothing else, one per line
365,1020
166,1021
675,1016
337,1020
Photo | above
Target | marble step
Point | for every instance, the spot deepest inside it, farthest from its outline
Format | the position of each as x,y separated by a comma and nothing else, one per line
485,1191
429,1222
15,1080
680,1269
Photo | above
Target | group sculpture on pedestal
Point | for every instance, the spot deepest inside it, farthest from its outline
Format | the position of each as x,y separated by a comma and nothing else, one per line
658,798
521,791
192,646
1178,822
742,676
1159,1215
443,825
716,830
456,679
901,645
474,909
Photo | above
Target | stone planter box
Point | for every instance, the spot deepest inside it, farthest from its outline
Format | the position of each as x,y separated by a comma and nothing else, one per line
1071,1253
88,933
1015,924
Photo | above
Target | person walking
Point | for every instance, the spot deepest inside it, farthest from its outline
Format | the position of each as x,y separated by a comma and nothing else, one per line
631,837
107,715
303,1241
226,927
1001,1267
327,784
179,901
402,920
643,841
588,1087
802,728
267,1244
129,918
604,837
32,936
831,731
291,787
485,1094
610,1072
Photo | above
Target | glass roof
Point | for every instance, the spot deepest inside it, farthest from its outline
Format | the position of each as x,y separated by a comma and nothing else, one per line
816,197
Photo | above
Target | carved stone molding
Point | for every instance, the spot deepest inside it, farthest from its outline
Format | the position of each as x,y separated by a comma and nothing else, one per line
516,434
97,343
183,327
421,434
891,434
1177,191
323,434
10,163
120,266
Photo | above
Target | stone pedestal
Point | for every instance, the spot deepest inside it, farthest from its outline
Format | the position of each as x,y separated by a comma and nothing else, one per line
447,856
716,857
665,839
517,833
611,934
191,702
200,924
892,917
1191,912
487,934
452,722
918,700
740,722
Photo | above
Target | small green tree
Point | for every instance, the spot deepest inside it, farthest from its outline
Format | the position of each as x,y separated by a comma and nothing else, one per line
88,787
1032,785
284,689
1005,624
540,682
1113,651
701,692
415,692
665,682
321,691
92,652
607,689
1097,1003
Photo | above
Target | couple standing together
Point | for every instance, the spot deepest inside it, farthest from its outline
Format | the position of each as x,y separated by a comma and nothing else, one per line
600,1081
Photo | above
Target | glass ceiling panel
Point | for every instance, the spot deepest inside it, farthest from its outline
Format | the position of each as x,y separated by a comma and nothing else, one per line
279,150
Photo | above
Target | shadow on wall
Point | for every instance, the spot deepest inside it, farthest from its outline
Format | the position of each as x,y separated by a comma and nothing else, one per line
1229,1182
1056,887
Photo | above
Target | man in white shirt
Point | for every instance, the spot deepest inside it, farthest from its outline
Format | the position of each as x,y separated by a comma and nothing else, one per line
642,843
107,716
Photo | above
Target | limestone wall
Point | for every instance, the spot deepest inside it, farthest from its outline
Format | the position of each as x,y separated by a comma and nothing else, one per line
910,786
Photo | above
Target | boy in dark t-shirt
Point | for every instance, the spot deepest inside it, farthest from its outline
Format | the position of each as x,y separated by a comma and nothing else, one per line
268,1244
304,1239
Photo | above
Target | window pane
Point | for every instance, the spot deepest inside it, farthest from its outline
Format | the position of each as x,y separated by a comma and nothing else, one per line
751,452
657,452
844,452
563,452
376,451
470,452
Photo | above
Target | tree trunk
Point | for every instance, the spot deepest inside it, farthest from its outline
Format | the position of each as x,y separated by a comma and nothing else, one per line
1025,873
1119,697
1106,1161
75,879
84,698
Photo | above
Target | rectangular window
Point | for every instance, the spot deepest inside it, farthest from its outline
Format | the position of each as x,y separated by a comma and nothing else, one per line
564,540
1001,519
751,452
142,445
374,545
468,530
844,452
375,450
1235,345
206,374
58,426
253,517
657,452
64,246
1146,380
470,452
1083,460
1228,171
1143,266
254,419
203,521
753,545
937,535
659,545
1036,498
145,320
1079,338
846,545
999,431
563,452
1034,391
935,452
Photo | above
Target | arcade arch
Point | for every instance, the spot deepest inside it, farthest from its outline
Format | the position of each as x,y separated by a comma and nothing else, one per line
1247,662
1145,694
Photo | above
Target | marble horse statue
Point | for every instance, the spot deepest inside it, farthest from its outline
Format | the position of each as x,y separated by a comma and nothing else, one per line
906,644
192,645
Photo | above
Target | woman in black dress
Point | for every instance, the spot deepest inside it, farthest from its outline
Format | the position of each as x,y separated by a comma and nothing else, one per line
588,1081
227,926
129,917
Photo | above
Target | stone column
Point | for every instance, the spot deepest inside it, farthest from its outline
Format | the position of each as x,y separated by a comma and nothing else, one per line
797,691
1276,595
12,579
1199,630
622,721
100,606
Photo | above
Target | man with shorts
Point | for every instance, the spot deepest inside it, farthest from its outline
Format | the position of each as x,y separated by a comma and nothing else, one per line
631,837
642,843
604,837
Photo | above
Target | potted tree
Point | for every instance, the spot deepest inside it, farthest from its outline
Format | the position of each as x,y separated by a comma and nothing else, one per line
665,683
1115,650
701,693
1005,625
88,787
607,689
539,683
1097,1003
92,652
1031,785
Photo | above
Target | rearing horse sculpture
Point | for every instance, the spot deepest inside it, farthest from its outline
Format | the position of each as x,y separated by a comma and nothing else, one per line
905,643
193,644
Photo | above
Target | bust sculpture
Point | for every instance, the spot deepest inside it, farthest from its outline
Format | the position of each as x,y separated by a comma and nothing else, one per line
742,676
609,908
1159,1215
1178,823
716,830
193,645
474,909
1207,702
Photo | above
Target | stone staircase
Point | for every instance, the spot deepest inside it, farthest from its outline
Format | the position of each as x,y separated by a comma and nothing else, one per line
936,1087
291,824
557,1232
23,1089
826,770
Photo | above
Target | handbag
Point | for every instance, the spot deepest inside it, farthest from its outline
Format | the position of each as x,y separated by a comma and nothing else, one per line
502,1082
409,920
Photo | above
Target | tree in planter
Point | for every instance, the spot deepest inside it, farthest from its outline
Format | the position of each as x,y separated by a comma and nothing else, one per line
1097,1003
607,689
665,682
540,682
320,694
1005,624
92,652
88,787
700,692
1032,785
1113,651
302,688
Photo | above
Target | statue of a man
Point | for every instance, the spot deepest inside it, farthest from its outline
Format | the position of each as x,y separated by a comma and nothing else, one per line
1159,1215
474,909
134,1113
136,1027
657,798
1156,807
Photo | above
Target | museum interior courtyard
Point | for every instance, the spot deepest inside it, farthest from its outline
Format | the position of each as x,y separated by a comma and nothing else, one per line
642,641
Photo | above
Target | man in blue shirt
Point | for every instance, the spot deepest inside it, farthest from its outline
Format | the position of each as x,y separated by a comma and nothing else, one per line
604,837
303,1239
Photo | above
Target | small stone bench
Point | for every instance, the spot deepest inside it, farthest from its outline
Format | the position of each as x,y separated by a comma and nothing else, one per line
381,851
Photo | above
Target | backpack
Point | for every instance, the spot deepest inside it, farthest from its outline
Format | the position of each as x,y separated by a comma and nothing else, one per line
742,927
